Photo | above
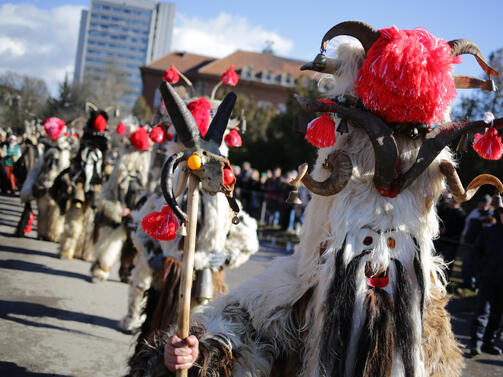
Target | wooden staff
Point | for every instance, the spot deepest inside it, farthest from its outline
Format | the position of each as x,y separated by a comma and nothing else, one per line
189,246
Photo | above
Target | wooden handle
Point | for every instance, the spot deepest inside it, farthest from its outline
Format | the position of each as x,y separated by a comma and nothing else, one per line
189,246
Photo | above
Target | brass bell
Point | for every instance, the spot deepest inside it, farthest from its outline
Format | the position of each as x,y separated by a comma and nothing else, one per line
204,285
182,231
294,197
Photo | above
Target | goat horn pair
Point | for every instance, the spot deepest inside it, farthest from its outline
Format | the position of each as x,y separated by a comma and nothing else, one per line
184,123
365,33
456,187
341,168
381,136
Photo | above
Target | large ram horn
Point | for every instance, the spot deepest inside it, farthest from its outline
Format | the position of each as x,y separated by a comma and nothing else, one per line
90,105
365,33
341,167
436,141
218,125
380,135
167,185
465,46
185,125
468,82
456,187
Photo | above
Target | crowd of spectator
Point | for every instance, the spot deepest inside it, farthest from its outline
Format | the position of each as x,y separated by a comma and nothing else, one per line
264,196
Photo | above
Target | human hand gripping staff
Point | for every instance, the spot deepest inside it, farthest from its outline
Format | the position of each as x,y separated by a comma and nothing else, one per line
203,166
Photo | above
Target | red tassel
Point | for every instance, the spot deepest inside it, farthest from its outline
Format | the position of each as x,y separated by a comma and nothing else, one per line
121,128
321,131
233,139
157,135
488,145
161,225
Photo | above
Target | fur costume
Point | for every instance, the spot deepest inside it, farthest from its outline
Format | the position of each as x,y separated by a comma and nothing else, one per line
55,159
364,292
122,190
76,189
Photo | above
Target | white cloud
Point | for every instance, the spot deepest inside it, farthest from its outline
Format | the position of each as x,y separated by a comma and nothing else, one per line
39,42
223,35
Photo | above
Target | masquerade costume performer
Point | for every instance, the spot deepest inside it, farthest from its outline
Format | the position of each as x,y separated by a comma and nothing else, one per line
119,196
220,245
364,292
77,188
54,160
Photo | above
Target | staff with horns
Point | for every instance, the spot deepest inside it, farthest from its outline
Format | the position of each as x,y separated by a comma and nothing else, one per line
205,166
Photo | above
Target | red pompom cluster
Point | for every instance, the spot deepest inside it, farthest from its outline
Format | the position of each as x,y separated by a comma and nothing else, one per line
139,139
230,77
200,109
121,128
100,123
488,145
321,131
405,77
53,127
157,135
171,75
233,139
161,225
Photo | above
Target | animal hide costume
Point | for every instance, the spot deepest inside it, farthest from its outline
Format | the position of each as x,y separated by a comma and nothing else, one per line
123,190
220,245
54,160
77,188
364,293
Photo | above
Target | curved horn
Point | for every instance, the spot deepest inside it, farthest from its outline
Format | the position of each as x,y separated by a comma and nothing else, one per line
468,82
381,136
342,168
181,183
91,105
322,64
465,46
219,122
456,187
167,185
365,33
185,125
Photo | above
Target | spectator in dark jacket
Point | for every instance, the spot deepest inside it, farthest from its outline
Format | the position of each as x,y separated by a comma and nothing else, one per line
489,250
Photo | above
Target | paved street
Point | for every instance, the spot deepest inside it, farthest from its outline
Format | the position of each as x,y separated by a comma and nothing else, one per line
54,322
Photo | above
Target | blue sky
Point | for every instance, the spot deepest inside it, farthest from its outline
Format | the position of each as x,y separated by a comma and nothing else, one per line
297,27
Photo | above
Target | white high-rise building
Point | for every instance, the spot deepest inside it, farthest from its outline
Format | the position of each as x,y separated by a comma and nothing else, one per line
127,33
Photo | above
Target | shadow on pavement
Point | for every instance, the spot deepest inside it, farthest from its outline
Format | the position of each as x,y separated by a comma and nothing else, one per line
12,264
14,370
17,250
491,362
9,309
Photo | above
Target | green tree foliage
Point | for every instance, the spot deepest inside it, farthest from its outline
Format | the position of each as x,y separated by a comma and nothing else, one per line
270,139
472,107
141,110
22,98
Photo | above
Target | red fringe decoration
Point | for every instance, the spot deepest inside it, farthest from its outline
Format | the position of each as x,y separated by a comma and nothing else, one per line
121,128
53,127
161,225
157,135
139,139
233,139
406,76
230,77
100,123
200,109
321,131
171,75
488,145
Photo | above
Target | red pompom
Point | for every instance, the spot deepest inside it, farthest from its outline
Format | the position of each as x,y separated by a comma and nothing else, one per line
53,127
233,139
321,131
100,123
171,75
229,177
488,145
139,139
200,109
121,128
157,135
406,77
230,77
161,225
